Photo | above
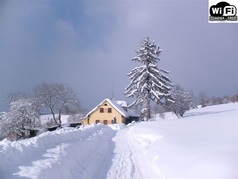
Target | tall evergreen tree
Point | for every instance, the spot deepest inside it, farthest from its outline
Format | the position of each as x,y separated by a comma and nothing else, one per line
148,82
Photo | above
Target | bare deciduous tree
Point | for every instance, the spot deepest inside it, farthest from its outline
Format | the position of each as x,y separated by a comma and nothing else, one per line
202,98
57,99
183,101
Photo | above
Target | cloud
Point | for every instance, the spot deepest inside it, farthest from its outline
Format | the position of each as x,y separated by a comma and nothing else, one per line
66,32
88,45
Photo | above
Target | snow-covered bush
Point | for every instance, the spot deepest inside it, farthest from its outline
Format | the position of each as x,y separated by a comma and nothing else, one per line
22,116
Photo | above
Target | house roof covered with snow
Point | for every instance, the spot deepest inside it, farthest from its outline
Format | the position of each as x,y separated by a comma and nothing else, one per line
114,104
122,103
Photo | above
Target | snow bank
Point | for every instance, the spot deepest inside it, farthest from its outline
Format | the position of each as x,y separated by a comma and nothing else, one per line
166,116
117,126
201,145
42,156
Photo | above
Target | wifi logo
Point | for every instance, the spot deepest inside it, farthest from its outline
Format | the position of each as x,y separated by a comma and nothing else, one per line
223,11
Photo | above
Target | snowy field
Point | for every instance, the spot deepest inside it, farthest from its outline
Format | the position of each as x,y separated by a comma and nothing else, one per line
48,117
203,144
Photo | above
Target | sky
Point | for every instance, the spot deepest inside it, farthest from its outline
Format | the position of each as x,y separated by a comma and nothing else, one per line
88,45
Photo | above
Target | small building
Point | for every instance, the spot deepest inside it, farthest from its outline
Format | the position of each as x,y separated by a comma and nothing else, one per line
30,131
52,128
109,112
75,124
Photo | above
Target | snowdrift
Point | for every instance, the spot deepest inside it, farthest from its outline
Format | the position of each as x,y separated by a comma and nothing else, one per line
58,154
203,144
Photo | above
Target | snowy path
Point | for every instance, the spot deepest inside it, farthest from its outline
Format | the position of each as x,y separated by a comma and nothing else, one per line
92,152
128,161
201,145
124,163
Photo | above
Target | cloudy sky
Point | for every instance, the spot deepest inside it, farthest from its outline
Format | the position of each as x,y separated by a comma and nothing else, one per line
88,45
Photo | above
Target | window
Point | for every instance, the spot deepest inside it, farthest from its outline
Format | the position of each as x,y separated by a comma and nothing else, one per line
105,104
97,121
101,110
109,110
105,122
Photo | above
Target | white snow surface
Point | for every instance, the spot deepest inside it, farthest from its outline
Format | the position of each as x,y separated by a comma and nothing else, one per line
203,144
48,117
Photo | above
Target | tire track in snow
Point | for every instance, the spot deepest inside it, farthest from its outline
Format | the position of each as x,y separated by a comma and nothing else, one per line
126,163
102,161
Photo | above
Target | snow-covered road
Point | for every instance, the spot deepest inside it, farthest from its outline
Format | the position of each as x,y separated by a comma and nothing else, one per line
128,160
97,151
93,152
203,144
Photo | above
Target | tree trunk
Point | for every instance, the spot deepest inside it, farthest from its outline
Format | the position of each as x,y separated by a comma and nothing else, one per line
53,114
59,118
175,111
146,111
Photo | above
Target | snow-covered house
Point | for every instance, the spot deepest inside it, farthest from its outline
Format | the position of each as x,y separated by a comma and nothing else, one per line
109,112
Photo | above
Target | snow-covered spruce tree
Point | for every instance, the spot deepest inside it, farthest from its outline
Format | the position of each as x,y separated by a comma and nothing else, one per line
148,82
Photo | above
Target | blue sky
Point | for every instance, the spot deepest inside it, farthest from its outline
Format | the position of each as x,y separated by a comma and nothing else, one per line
88,45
